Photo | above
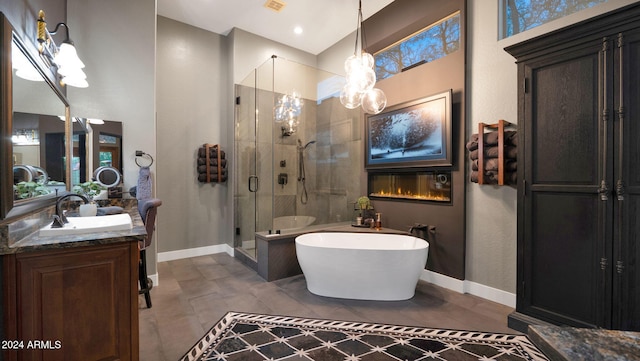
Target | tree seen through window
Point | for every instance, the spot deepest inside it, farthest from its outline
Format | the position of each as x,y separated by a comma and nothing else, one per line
521,15
429,44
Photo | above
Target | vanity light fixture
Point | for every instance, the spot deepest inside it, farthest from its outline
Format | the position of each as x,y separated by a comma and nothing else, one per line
88,120
25,137
64,119
24,69
64,57
361,78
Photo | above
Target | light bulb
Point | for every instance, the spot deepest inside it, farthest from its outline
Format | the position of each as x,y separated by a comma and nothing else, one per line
29,73
64,70
350,96
280,113
374,101
76,78
362,78
351,63
367,60
288,106
78,83
67,56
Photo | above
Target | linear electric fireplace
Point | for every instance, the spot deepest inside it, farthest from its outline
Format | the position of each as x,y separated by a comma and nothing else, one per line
433,186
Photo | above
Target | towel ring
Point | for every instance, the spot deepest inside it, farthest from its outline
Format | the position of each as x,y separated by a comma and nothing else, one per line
140,153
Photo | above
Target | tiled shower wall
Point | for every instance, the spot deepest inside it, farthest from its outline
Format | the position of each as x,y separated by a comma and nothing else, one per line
332,164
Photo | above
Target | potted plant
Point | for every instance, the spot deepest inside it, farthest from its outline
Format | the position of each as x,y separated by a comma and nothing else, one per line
24,190
89,189
366,209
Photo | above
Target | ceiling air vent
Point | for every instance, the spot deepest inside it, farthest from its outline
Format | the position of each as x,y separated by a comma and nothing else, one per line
275,5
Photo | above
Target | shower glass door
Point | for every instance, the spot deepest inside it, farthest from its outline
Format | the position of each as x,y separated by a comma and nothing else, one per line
309,171
253,157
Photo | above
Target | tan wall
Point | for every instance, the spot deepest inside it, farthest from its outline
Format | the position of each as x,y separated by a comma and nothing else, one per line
191,111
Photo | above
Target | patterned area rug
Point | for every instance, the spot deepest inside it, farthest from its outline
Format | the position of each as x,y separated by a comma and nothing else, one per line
254,337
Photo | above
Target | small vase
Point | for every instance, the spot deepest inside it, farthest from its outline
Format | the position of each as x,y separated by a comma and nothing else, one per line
104,194
88,210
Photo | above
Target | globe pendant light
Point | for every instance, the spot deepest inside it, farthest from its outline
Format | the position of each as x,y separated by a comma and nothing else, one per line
351,96
361,78
374,101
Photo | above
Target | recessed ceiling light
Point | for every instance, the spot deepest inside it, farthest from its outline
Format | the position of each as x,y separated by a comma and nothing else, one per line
297,30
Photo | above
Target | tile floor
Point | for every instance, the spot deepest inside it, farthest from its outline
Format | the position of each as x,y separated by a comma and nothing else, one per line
195,293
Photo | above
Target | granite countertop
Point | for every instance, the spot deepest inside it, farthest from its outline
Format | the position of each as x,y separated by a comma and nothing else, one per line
32,241
585,344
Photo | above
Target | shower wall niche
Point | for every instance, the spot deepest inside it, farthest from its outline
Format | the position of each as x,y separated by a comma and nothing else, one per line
312,169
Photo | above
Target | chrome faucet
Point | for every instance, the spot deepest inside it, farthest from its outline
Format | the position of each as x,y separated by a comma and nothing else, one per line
59,219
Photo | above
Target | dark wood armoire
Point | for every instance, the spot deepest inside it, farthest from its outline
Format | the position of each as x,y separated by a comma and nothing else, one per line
579,174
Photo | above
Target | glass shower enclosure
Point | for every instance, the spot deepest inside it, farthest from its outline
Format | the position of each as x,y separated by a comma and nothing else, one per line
298,152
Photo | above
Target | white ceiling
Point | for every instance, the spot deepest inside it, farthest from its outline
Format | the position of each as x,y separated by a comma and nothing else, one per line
324,22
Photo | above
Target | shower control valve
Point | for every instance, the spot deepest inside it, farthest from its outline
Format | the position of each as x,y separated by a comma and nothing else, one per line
283,179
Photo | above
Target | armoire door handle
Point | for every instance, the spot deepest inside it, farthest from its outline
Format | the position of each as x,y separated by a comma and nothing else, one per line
621,115
620,190
603,191
604,188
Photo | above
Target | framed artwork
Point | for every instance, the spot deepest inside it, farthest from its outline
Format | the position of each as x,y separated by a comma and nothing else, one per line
411,134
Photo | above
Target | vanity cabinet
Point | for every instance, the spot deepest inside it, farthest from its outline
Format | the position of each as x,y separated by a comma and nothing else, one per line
579,175
74,304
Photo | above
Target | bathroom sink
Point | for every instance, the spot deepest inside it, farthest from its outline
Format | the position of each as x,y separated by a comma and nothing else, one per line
81,225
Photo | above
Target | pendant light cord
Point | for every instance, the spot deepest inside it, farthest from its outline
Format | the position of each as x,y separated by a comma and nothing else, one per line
359,32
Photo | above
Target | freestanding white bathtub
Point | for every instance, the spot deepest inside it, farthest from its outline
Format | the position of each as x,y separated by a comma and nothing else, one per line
291,223
363,266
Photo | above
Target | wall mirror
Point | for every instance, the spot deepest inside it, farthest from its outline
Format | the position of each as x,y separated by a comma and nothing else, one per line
34,131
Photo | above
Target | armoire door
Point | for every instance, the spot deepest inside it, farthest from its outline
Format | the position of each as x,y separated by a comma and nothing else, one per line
563,228
579,166
626,272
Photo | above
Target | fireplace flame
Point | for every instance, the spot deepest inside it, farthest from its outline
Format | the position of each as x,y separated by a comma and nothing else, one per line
431,196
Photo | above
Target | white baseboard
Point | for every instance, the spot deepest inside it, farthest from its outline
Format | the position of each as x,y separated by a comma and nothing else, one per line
492,294
194,252
454,284
441,280
473,288
191,252
154,279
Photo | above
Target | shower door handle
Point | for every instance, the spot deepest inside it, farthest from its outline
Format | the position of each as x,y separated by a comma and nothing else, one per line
253,178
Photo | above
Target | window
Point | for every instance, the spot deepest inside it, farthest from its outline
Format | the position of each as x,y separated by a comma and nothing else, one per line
107,139
521,15
429,44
